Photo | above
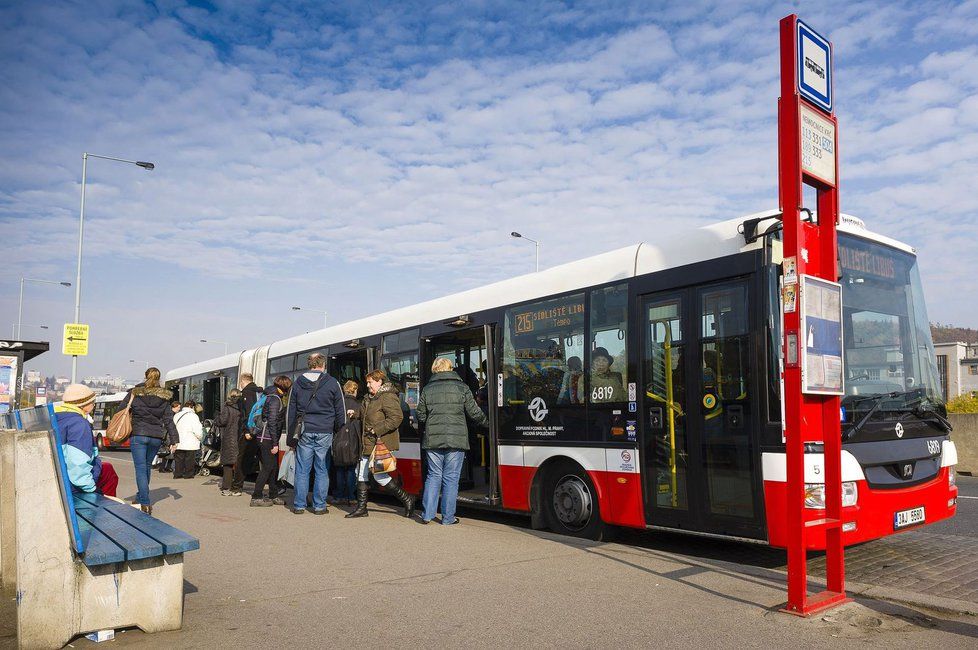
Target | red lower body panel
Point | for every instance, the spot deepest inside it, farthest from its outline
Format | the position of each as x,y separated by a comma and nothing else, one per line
873,513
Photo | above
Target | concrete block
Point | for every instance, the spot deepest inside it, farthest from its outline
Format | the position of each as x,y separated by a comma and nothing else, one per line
8,549
58,597
965,437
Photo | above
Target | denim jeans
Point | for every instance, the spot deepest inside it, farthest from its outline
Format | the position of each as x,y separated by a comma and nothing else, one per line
444,468
313,451
143,449
346,482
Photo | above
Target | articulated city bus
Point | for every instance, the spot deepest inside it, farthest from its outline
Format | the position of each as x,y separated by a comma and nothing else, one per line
642,387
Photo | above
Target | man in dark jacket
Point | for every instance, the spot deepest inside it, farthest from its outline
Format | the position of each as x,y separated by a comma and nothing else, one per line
444,405
248,448
317,399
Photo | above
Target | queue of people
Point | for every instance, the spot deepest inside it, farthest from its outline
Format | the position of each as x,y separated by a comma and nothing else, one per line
307,414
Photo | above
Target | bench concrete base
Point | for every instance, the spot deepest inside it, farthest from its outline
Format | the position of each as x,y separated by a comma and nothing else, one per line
58,596
8,557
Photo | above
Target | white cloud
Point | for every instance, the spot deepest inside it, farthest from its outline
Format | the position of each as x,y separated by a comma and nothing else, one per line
365,161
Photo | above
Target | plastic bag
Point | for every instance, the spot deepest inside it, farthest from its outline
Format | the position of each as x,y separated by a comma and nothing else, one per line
286,470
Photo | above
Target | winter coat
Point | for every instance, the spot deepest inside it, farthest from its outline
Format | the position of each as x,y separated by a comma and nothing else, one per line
381,415
189,429
229,424
151,413
444,404
322,407
249,396
78,446
274,416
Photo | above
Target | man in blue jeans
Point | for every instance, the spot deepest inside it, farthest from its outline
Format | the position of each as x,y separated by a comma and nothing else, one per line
316,411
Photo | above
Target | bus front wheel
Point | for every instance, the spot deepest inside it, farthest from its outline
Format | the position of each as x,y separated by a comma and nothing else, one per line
571,503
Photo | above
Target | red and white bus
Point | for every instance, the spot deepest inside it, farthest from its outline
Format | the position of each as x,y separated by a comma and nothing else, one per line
105,407
641,387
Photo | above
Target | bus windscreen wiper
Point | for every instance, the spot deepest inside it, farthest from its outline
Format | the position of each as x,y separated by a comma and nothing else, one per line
932,417
877,402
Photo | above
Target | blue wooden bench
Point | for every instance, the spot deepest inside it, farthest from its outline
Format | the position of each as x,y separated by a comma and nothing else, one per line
116,566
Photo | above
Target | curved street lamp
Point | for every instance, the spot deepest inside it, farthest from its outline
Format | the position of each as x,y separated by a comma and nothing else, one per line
536,244
148,166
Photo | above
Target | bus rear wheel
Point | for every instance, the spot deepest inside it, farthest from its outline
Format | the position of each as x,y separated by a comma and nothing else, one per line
571,503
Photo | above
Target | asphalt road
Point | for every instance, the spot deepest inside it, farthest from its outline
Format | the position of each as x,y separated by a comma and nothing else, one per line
965,523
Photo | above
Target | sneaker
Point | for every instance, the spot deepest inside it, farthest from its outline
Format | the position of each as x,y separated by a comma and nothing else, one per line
450,523
235,493
279,501
324,511
298,511
225,493
261,503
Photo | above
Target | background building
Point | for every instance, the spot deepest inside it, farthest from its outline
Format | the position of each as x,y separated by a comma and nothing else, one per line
957,365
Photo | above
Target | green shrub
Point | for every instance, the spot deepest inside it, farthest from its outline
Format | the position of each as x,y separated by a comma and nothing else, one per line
963,404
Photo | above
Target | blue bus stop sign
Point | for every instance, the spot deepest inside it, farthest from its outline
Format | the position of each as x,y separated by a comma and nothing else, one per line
814,67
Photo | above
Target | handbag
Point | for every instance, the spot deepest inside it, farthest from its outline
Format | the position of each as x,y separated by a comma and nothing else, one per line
382,461
120,425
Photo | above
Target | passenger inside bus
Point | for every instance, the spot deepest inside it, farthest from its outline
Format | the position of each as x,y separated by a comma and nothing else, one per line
571,387
606,386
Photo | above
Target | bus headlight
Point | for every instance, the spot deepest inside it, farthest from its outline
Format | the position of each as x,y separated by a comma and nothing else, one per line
815,495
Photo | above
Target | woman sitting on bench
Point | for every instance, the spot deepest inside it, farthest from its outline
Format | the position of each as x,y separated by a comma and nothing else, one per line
86,471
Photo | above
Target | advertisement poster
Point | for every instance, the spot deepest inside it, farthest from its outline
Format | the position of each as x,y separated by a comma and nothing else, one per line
8,383
821,327
412,392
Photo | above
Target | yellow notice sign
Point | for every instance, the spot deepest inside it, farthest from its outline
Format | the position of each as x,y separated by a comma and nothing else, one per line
75,340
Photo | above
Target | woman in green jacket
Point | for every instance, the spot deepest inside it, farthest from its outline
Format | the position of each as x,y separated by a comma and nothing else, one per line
444,405
381,416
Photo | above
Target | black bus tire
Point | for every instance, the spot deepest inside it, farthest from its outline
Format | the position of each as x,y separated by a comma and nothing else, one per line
570,503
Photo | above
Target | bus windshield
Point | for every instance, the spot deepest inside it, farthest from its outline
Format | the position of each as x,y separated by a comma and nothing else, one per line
887,343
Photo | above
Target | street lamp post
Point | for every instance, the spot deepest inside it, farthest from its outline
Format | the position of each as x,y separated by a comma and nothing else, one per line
318,311
224,343
536,244
81,233
20,304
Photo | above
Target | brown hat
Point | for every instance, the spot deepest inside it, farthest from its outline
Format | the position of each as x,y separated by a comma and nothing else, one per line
79,395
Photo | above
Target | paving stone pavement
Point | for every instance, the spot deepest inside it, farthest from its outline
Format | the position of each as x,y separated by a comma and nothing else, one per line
918,561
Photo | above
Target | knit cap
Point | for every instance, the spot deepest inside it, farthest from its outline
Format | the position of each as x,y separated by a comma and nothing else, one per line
79,395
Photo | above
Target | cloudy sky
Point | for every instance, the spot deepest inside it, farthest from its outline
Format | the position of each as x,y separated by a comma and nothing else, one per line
360,156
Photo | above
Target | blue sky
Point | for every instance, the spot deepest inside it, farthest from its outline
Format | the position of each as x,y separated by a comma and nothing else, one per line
357,157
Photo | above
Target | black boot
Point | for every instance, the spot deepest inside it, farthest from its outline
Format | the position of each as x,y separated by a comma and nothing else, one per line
361,510
406,499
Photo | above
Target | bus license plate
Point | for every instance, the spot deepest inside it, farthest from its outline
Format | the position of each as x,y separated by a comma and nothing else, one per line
906,518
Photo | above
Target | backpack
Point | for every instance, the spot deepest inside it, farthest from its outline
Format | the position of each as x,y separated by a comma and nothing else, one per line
256,419
347,444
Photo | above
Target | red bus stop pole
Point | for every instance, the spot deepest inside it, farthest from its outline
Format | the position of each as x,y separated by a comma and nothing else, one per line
808,418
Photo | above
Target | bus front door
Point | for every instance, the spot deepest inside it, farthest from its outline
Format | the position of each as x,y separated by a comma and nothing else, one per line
698,447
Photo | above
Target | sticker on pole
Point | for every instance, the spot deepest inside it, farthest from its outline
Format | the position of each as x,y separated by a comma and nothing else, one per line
75,341
814,67
817,145
821,326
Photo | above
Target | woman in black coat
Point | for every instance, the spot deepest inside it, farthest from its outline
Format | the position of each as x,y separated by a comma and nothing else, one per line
152,424
229,425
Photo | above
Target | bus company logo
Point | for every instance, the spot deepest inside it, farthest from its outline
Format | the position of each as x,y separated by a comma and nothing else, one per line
899,429
538,409
626,456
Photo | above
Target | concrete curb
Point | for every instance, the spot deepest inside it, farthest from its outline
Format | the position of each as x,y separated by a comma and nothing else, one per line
862,590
